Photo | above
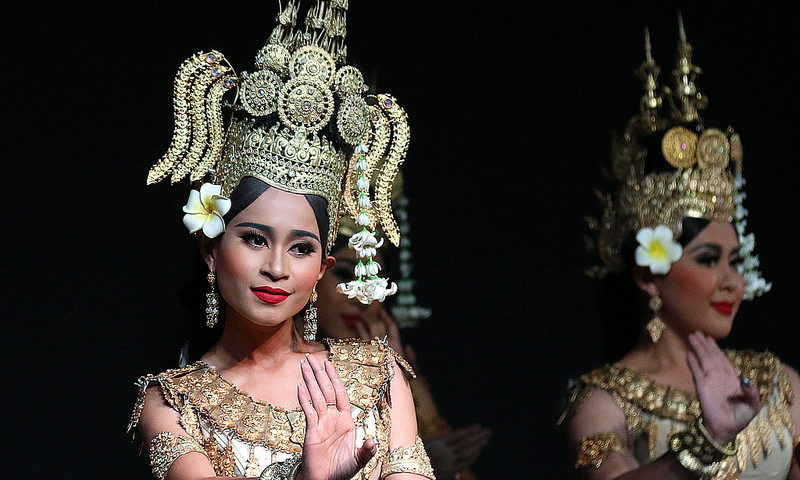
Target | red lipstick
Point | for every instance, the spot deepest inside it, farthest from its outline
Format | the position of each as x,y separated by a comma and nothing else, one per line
350,320
270,294
725,308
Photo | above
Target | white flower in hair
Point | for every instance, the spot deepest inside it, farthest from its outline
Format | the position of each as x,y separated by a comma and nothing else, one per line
205,209
657,249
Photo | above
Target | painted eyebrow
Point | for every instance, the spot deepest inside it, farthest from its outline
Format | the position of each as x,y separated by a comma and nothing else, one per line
303,233
716,248
258,226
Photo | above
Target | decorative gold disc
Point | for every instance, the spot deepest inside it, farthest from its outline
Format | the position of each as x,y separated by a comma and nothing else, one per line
275,57
352,120
314,62
678,147
305,102
260,92
349,81
713,149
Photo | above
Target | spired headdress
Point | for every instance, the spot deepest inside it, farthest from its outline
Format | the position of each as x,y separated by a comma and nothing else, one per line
665,169
301,122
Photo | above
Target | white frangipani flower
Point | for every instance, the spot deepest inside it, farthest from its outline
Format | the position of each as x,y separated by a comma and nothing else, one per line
657,249
363,200
363,219
362,183
205,209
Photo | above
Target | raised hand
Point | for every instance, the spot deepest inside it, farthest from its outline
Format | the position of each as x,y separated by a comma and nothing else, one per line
329,449
376,322
727,405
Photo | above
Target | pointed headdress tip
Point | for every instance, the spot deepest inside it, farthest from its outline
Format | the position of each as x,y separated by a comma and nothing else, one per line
681,29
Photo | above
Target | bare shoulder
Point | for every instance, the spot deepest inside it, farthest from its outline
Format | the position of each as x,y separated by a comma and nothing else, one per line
157,416
594,411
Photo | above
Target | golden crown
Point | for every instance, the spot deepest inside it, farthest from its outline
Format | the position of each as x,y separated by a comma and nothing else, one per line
296,119
696,177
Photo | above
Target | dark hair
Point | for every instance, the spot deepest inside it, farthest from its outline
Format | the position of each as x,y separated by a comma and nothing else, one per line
619,298
250,188
192,294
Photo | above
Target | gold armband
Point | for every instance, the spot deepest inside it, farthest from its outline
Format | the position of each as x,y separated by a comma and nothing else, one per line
698,452
165,448
411,459
596,448
285,470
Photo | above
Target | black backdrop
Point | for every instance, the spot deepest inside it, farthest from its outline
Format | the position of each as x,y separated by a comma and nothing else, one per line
511,110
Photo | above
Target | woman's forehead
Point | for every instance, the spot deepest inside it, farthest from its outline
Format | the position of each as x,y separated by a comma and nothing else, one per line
719,233
280,209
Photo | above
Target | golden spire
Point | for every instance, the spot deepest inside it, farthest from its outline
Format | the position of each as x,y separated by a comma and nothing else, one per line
687,101
648,71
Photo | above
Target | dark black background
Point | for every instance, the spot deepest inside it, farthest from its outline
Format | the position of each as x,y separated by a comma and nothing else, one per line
511,110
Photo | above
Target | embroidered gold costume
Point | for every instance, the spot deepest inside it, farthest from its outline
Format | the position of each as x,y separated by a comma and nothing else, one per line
242,436
655,412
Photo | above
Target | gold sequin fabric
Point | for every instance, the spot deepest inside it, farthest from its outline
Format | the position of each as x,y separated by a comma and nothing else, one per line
596,448
654,411
242,436
166,447
411,459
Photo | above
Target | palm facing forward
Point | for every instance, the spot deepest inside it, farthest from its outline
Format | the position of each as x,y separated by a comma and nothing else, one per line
329,449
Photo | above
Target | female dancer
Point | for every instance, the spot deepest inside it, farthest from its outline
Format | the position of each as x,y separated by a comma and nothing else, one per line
672,236
263,401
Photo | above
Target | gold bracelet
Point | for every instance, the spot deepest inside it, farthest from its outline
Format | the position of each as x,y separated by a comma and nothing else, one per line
411,459
596,448
697,452
166,447
727,451
285,470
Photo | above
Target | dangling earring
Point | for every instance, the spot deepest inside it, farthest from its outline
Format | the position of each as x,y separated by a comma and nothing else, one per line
310,317
655,326
212,303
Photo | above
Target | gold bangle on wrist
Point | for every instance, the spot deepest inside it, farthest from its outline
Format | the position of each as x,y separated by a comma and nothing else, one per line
731,449
697,452
285,470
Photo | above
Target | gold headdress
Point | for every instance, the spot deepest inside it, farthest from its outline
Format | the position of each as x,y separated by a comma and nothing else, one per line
302,122
665,169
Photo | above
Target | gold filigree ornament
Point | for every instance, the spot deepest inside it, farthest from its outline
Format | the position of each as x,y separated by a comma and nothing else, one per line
353,119
275,57
691,175
300,74
260,92
349,81
314,62
678,147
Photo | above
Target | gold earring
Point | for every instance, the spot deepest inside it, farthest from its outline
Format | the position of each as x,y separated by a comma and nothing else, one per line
212,303
655,326
310,317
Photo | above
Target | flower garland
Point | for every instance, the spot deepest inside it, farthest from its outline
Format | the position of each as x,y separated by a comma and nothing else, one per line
406,311
367,286
754,284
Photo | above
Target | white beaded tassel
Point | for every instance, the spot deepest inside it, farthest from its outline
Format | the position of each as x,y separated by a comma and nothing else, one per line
368,286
